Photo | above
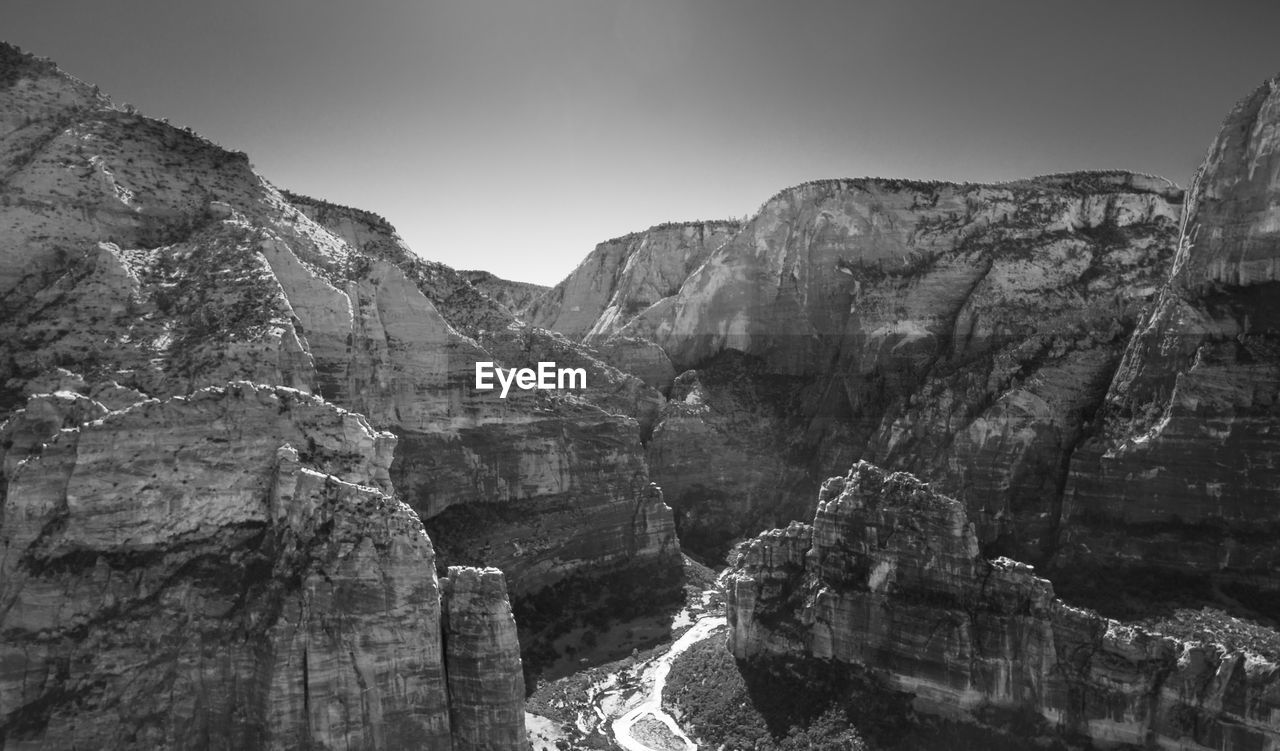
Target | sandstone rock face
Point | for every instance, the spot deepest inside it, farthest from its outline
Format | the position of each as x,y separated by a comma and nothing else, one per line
889,578
193,271
1182,474
38,106
967,333
623,276
486,686
221,570
879,270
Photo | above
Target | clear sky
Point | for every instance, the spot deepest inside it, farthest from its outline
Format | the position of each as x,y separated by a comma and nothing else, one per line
513,135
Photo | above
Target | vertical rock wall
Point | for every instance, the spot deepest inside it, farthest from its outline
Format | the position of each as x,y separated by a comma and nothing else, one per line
482,658
1183,472
229,570
222,570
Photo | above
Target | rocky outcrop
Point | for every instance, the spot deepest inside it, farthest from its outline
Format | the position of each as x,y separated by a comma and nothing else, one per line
963,332
889,579
486,686
1181,474
227,569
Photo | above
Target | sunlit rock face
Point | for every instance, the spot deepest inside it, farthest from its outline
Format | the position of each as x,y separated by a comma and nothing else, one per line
226,569
624,276
867,269
963,332
1183,473
148,260
889,579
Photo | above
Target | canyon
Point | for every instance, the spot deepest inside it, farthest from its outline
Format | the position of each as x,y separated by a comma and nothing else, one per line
251,497
966,333
1081,365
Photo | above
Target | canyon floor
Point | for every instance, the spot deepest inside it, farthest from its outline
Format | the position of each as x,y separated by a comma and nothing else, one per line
609,695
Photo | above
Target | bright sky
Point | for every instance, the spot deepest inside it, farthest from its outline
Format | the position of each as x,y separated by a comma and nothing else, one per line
513,135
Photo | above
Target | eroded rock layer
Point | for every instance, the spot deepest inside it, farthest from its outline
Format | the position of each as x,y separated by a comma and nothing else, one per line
222,570
1183,473
889,578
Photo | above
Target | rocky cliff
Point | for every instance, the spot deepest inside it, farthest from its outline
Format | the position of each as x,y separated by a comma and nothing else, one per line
1182,472
153,598
227,569
889,579
964,332
146,257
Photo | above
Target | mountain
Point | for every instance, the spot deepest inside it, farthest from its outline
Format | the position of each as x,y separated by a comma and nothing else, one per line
967,333
250,495
1164,520
152,284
